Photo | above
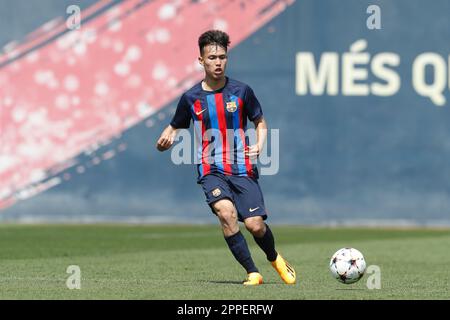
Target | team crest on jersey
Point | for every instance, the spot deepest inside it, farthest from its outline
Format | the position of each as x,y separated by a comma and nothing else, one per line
231,106
216,192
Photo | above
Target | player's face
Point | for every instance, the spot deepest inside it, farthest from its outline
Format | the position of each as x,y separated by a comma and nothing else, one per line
214,60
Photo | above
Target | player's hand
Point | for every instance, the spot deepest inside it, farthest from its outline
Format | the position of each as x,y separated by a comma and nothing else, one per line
252,151
164,143
166,140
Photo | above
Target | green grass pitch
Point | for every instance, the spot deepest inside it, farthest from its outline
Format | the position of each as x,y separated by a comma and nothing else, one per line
193,262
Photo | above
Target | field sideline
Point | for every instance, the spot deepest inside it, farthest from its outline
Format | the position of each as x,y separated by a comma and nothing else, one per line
193,262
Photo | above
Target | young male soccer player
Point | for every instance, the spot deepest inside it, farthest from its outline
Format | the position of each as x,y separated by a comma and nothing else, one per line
227,176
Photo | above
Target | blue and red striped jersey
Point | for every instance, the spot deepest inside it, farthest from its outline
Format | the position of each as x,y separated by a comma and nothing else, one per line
220,125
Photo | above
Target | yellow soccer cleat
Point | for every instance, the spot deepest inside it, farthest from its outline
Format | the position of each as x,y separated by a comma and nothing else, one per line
253,279
284,269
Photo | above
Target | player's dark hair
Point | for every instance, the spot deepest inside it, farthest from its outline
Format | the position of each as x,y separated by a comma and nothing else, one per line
213,37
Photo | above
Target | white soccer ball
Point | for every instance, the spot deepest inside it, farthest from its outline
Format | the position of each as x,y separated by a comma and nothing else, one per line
347,265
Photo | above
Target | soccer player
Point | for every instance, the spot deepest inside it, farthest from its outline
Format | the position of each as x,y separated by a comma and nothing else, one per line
218,105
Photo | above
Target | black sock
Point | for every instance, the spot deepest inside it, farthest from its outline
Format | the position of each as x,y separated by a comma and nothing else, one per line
267,244
239,248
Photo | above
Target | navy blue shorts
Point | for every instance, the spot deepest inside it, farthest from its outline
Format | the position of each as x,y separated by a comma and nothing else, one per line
244,192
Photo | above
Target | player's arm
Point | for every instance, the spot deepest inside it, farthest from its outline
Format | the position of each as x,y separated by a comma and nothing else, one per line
166,139
261,135
181,119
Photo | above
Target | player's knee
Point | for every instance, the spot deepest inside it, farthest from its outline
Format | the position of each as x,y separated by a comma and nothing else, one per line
229,222
224,208
227,215
257,228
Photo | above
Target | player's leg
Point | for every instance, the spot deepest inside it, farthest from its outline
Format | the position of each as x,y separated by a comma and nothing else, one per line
219,198
227,214
263,236
249,202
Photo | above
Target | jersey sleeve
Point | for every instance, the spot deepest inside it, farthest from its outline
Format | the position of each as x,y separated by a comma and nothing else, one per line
182,117
251,105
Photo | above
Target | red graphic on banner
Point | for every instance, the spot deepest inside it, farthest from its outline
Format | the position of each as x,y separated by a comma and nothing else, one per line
63,91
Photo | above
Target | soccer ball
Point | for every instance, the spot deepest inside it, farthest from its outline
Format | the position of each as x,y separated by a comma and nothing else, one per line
347,265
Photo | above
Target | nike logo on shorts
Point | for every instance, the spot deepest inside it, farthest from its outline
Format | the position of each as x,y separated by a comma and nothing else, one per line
253,209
